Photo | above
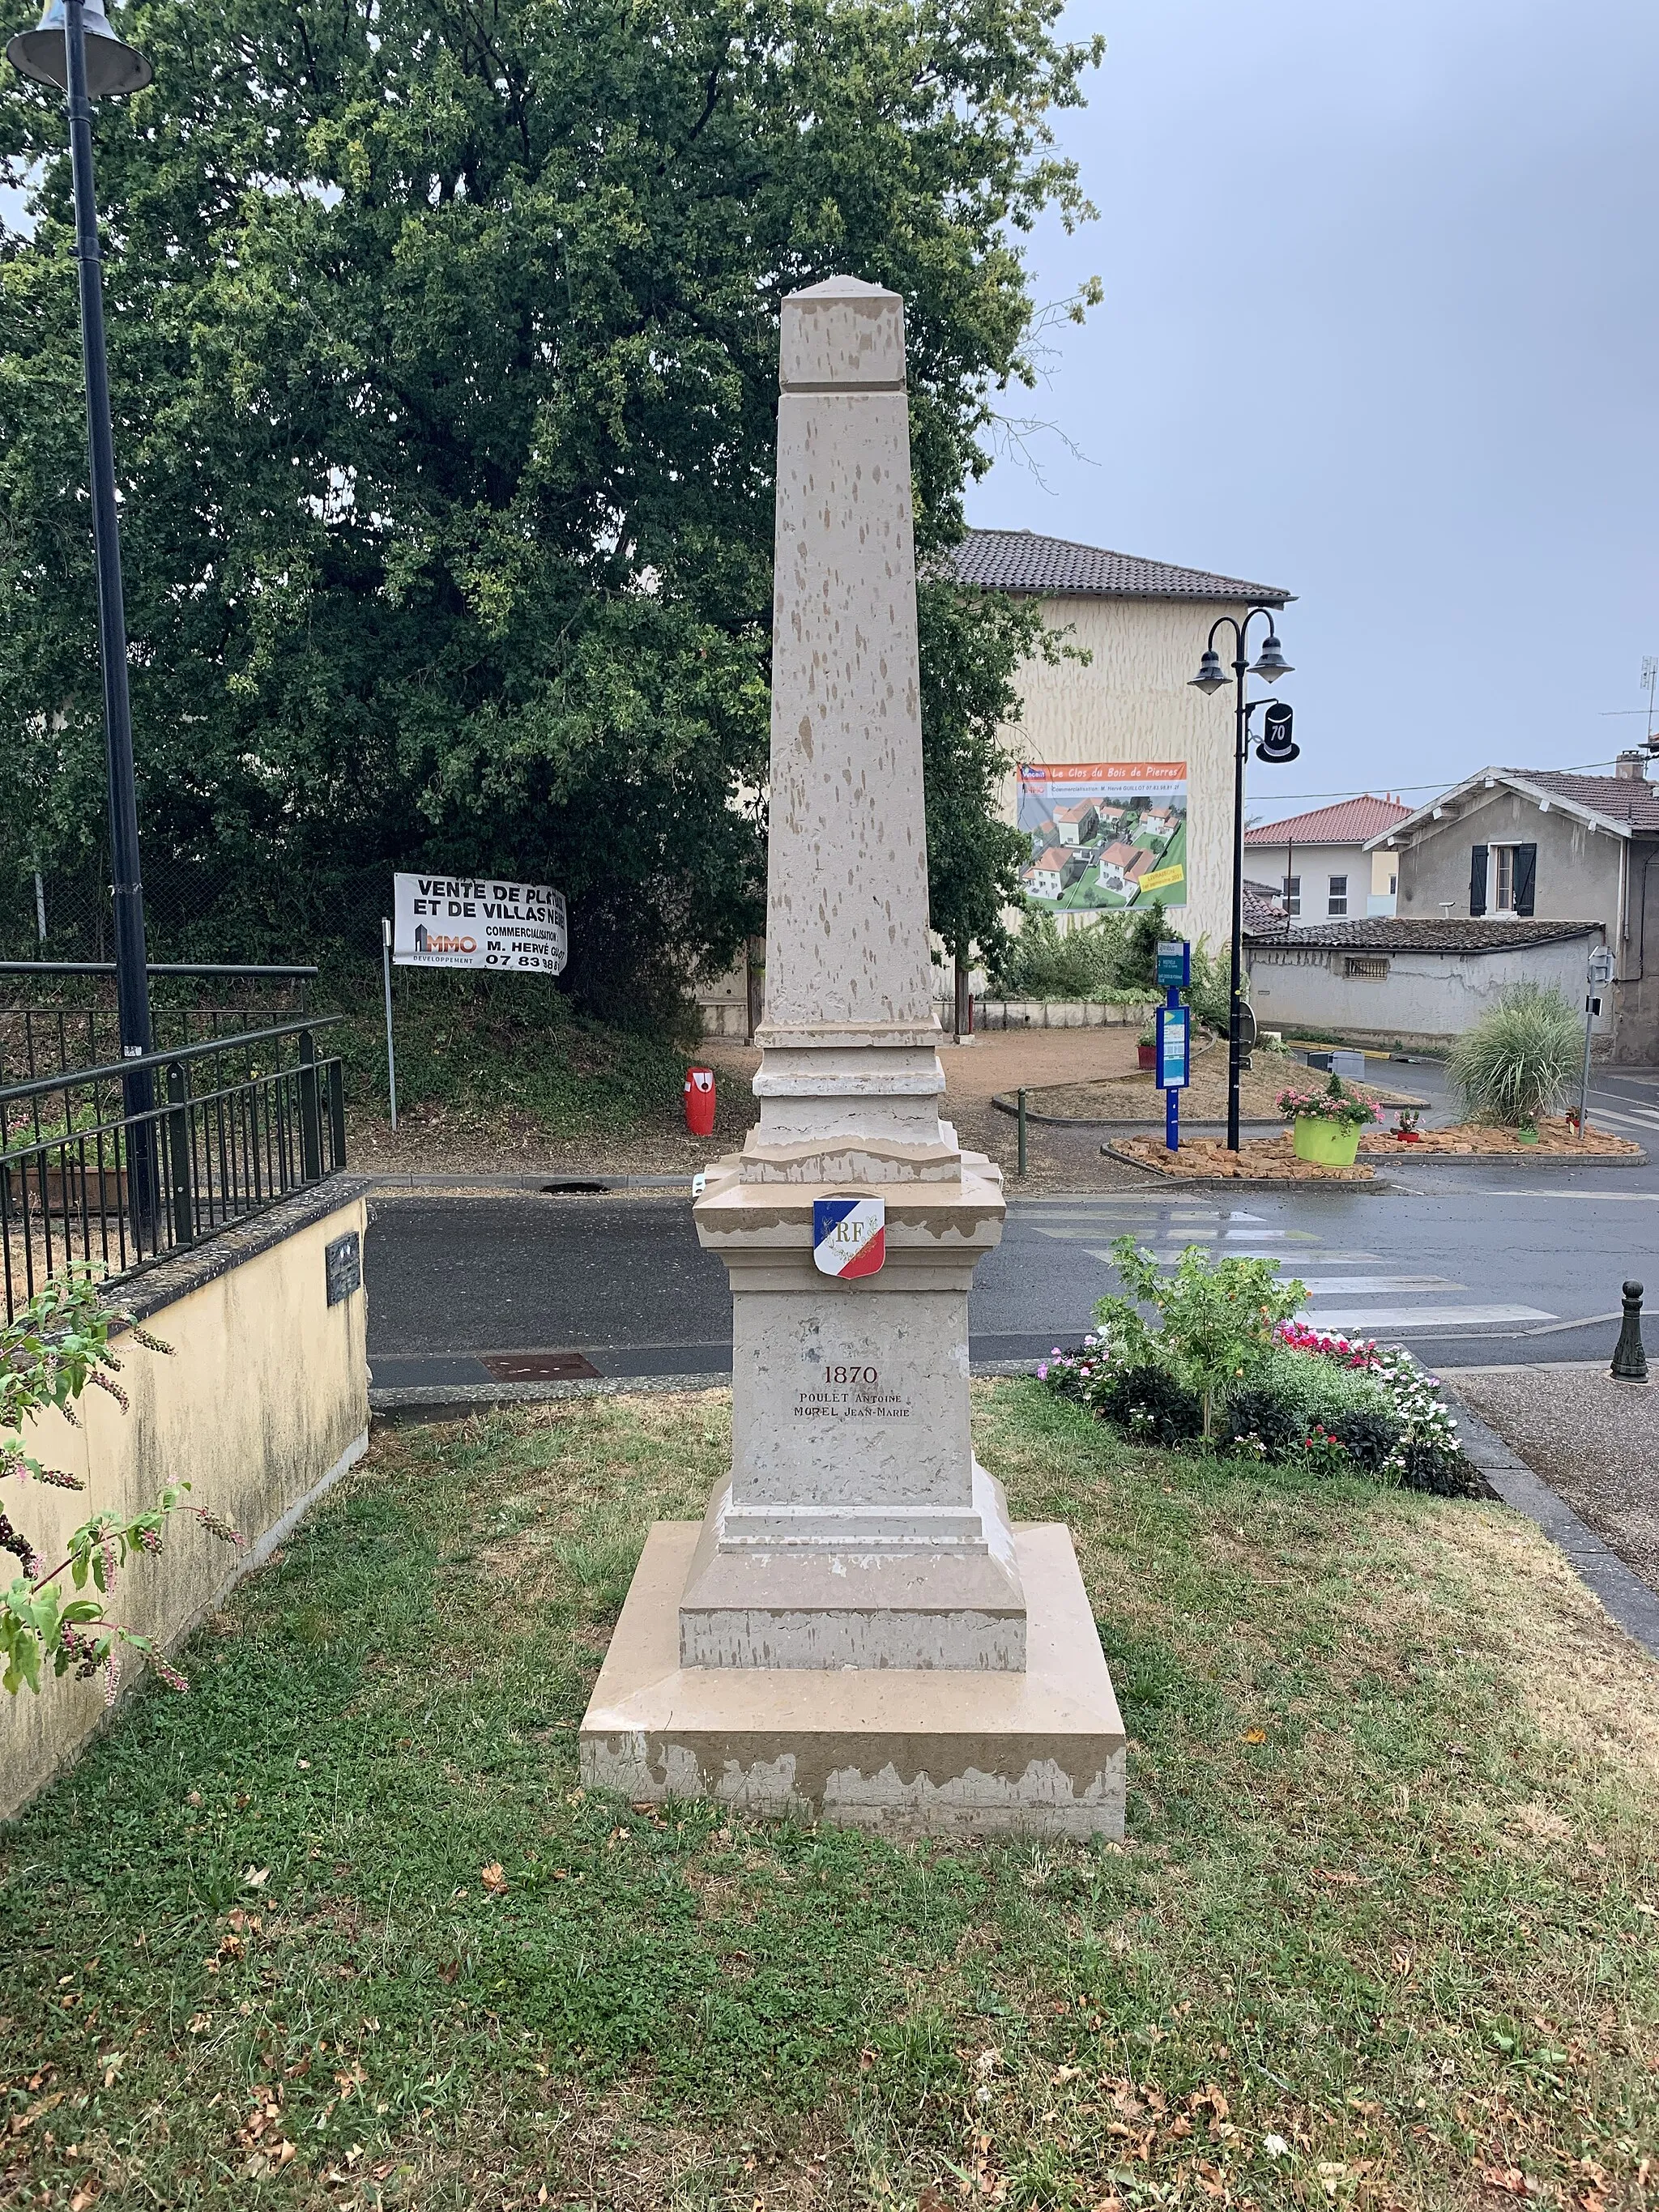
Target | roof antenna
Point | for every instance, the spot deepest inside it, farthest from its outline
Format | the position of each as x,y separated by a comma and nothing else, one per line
1650,679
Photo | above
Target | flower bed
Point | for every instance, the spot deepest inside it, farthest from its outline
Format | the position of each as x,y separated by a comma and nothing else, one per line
1271,1159
1556,1139
1232,1371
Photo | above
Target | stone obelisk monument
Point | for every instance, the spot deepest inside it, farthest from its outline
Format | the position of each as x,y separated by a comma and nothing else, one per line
855,1632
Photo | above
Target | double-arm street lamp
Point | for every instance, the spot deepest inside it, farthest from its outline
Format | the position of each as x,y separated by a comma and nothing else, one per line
74,49
1276,748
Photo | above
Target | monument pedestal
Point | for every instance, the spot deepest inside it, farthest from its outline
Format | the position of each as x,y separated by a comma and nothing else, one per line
855,1632
931,1751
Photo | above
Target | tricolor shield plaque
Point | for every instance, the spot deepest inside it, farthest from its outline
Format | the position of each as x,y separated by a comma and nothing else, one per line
849,1235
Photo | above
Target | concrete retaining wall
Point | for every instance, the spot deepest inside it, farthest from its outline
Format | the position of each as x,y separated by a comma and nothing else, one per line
1426,999
264,1402
1058,1014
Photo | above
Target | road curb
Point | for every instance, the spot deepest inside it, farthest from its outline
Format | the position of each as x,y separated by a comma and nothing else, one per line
438,1185
1623,1592
1166,1182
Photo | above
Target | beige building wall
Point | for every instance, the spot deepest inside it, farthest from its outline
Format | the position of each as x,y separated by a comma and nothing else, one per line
264,1398
1133,700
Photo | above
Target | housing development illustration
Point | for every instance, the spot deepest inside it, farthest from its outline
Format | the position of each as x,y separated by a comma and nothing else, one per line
1104,833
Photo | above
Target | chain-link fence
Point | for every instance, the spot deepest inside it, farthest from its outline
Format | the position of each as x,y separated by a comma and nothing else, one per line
217,908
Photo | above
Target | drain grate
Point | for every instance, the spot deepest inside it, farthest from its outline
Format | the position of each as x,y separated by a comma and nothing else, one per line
540,1367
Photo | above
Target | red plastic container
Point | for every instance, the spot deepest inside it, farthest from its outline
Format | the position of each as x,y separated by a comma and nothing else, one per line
700,1101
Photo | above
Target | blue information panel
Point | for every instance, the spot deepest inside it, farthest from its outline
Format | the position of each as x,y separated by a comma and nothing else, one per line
1174,1047
1175,965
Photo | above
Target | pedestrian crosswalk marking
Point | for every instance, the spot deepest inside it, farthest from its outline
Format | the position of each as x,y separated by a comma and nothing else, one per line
1406,1319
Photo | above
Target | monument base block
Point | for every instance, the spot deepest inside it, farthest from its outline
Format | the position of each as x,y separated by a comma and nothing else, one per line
930,1752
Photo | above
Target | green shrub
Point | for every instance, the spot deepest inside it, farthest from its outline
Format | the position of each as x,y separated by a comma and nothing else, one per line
1218,1317
1085,964
1153,1405
1519,1059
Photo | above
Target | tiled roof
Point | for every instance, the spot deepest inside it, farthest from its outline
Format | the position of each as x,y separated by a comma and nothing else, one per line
1349,823
1405,933
1020,560
1264,909
1620,797
1623,805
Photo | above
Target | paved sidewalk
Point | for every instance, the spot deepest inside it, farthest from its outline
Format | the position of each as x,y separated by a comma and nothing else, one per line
1593,1441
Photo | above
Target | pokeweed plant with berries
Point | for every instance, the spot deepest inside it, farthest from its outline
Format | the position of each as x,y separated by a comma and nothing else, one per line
57,1347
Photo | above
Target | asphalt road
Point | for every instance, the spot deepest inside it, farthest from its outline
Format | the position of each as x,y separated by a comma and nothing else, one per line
1470,1266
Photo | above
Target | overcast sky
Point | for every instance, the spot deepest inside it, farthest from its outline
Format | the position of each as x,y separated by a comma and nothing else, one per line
1379,327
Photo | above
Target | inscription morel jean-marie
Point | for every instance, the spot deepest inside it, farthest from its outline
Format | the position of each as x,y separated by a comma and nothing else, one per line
849,1393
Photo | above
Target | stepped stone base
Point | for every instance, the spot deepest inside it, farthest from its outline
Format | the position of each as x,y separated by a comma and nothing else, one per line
901,1751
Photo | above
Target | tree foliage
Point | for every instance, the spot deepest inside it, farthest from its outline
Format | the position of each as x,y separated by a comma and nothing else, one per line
443,344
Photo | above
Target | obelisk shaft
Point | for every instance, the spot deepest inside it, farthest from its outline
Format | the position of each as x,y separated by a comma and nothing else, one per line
850,1080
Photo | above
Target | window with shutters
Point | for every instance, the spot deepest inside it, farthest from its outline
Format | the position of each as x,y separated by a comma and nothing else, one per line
1502,879
1336,904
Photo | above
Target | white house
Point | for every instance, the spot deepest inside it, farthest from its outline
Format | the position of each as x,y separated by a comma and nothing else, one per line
1320,864
1412,983
1549,845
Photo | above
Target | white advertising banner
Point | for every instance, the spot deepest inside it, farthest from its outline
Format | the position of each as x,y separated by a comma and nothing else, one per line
478,922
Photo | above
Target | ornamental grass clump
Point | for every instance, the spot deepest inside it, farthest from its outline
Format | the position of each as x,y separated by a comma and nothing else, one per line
1521,1059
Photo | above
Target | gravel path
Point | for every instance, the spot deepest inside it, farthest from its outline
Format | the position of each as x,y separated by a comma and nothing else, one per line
1596,1442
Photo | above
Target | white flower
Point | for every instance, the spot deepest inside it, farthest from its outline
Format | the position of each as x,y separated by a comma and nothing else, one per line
1275,2146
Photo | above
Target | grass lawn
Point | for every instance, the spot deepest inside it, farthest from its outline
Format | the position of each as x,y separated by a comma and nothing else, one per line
340,1927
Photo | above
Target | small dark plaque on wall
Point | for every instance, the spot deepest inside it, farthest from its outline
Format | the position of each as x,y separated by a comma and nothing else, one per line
344,1259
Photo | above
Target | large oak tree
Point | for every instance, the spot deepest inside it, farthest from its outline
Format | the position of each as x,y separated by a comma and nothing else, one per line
443,344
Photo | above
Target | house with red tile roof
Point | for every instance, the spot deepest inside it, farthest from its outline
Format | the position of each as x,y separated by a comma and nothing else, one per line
1320,862
1549,845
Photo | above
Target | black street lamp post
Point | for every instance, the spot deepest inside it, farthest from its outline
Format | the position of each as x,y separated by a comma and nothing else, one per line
1275,748
74,48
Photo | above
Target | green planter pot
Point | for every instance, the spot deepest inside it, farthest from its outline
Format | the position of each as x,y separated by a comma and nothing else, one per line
1327,1144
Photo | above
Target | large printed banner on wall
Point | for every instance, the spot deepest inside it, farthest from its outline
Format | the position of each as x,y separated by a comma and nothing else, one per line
1104,833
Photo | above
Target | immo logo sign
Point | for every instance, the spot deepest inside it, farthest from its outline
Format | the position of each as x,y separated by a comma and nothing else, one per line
478,922
849,1235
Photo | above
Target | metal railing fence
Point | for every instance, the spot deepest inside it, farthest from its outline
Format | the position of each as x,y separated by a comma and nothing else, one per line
246,1120
57,1015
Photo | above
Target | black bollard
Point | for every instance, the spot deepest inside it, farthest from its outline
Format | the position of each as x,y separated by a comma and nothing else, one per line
1630,1357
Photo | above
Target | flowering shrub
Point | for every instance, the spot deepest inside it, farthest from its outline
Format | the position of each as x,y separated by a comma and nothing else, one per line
56,1348
1312,1398
1219,1318
1335,1103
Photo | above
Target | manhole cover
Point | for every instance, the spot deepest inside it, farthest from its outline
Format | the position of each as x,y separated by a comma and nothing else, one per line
540,1367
